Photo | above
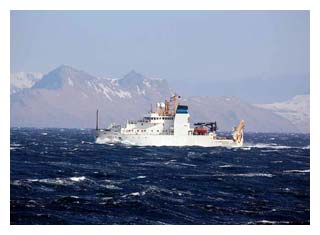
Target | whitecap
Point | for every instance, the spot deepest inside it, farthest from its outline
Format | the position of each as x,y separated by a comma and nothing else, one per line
78,179
107,198
141,177
33,180
296,171
57,181
15,145
226,166
187,164
111,186
268,146
252,175
269,222
246,148
44,133
135,194
85,142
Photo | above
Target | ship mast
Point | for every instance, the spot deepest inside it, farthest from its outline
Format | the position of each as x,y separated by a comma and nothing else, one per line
174,99
97,119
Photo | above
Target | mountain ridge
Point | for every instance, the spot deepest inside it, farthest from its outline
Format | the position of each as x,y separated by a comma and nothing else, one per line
67,97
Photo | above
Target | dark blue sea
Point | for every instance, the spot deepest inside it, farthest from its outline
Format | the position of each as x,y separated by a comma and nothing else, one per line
60,176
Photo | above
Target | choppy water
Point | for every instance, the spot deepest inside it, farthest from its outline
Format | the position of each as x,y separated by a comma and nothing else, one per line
60,176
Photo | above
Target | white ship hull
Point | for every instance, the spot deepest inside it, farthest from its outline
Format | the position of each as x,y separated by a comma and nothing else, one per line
168,127
165,140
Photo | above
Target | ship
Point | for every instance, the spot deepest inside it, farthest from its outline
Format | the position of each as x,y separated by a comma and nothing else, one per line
168,125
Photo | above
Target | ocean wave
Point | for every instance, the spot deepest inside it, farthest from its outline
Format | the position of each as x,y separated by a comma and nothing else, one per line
77,179
111,186
134,194
53,181
15,146
269,146
227,166
268,222
296,171
233,166
245,148
123,184
231,175
252,175
141,177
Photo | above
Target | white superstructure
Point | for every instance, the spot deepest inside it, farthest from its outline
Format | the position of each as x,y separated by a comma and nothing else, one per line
169,125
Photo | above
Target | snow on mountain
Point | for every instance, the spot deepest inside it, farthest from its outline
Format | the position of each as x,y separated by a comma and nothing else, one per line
296,110
228,111
62,76
67,97
21,80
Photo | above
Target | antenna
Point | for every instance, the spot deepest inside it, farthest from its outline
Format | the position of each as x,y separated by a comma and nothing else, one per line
97,119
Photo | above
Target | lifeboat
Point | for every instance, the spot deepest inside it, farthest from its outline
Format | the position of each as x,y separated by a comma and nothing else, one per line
200,130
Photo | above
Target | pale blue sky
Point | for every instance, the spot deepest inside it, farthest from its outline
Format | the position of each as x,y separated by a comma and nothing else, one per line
188,48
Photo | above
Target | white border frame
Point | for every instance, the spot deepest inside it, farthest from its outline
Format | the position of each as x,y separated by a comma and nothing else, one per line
7,5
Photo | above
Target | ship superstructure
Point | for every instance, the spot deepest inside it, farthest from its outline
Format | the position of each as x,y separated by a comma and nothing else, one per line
169,125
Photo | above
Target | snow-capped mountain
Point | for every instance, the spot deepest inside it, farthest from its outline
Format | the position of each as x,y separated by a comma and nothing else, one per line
67,97
296,110
21,80
229,110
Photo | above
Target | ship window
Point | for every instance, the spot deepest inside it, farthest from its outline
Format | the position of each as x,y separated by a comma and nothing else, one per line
182,107
157,130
